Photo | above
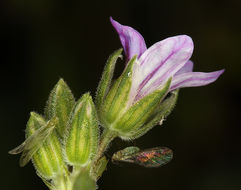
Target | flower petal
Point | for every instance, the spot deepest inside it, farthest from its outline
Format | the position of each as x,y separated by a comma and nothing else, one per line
160,62
192,79
131,40
188,67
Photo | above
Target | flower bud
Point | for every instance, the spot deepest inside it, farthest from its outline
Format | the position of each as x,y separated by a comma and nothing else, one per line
60,104
82,138
48,159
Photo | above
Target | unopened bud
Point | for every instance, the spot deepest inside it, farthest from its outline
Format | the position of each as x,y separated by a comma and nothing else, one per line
48,159
82,138
60,104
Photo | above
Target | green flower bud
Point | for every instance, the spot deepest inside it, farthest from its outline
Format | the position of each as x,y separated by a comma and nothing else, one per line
47,160
60,104
82,138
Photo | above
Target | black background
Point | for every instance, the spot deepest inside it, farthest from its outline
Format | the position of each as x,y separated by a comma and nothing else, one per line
44,40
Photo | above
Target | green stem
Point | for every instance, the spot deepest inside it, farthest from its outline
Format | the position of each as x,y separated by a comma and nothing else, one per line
105,140
106,137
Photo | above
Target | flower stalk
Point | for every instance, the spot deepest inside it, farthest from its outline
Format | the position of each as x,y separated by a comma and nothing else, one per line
106,138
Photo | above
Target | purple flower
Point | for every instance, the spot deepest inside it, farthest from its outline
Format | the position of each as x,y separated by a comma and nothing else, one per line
155,65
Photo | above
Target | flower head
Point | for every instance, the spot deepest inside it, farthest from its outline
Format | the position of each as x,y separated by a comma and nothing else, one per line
137,100
155,65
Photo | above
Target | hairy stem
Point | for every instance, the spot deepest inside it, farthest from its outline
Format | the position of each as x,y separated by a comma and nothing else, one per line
106,137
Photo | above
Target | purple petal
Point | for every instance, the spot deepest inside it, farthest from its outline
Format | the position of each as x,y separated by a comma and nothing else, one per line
131,40
162,61
188,67
192,79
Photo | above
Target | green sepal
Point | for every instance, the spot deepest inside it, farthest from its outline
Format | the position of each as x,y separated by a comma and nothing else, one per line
168,105
162,112
48,159
106,79
82,138
117,98
99,167
60,104
139,114
84,181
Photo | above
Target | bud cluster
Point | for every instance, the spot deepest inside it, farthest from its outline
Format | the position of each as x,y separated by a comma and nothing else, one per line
65,145
63,142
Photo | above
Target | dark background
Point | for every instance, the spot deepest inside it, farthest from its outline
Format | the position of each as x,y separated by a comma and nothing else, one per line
44,40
